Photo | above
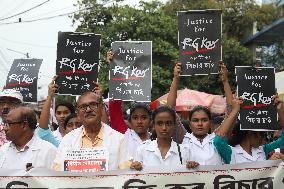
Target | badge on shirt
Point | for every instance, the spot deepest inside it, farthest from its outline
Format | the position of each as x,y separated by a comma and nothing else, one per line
86,160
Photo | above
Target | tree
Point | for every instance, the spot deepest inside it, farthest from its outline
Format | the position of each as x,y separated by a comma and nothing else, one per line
157,22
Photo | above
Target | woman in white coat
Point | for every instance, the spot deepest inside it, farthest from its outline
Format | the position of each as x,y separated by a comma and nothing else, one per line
162,150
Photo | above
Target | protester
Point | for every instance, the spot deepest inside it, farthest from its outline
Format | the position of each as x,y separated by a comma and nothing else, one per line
62,110
248,146
25,147
116,114
93,133
162,150
72,122
9,99
199,142
140,121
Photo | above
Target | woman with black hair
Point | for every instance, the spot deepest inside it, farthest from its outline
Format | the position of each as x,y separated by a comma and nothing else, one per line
139,123
162,150
246,145
199,141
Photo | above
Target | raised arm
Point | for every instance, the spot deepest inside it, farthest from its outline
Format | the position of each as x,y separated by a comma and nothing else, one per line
280,141
224,77
225,127
45,113
109,56
171,100
280,109
99,90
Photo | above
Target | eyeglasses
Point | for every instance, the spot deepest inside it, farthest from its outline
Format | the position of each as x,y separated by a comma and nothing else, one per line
166,123
9,124
92,106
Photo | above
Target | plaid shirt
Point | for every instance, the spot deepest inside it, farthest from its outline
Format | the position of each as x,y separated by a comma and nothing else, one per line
3,139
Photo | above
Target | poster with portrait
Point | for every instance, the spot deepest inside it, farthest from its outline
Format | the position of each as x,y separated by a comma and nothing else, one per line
256,86
23,77
199,40
130,71
77,63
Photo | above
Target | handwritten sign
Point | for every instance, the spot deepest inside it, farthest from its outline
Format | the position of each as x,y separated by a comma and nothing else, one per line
77,62
199,41
130,74
23,77
257,86
86,160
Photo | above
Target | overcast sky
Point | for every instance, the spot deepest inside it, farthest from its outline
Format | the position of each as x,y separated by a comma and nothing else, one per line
36,38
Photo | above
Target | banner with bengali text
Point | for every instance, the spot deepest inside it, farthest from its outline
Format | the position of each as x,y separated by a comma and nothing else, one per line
264,175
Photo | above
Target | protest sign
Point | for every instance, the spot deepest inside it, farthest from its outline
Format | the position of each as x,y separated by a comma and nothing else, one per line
86,160
262,175
199,41
256,86
23,77
130,72
77,62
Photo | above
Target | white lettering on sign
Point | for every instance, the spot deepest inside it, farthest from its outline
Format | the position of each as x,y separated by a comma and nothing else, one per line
130,51
256,98
134,72
77,43
21,78
72,64
199,43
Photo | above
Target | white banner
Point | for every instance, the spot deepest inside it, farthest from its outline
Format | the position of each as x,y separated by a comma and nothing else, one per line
262,175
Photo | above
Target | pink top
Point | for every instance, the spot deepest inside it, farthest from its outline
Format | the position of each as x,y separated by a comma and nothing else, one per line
3,139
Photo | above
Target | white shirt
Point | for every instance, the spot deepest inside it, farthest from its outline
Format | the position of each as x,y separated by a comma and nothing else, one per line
112,141
37,151
204,153
57,135
239,155
133,142
149,155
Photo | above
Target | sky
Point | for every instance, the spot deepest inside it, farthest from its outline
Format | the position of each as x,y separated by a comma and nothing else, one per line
36,38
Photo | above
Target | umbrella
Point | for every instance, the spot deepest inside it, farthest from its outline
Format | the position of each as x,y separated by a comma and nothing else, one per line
279,80
187,99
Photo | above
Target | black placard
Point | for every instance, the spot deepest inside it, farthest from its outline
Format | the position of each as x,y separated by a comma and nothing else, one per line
77,62
130,74
199,41
23,77
257,86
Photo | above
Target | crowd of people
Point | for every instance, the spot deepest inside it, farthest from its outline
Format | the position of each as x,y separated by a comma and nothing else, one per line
146,138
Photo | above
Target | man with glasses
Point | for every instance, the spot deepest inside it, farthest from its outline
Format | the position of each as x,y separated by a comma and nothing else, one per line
9,99
25,148
93,134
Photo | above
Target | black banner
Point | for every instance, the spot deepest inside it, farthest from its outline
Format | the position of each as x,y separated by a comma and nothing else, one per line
257,86
77,62
23,77
200,41
130,74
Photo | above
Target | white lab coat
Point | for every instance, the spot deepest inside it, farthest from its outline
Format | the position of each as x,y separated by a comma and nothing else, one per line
204,153
112,141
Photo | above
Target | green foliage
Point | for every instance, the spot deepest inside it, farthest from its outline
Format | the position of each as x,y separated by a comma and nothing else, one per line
157,22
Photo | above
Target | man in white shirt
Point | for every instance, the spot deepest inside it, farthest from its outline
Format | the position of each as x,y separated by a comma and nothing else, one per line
25,148
9,99
93,134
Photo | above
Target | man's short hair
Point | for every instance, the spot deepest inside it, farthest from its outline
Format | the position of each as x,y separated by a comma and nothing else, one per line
29,115
67,105
87,93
